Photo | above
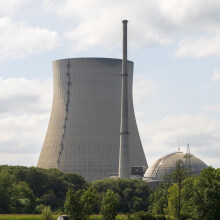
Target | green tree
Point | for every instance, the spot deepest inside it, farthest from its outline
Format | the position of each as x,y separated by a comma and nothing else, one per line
200,196
47,213
73,205
49,198
6,182
89,200
22,198
207,194
138,204
158,199
173,201
76,180
48,185
109,205
178,176
132,194
188,205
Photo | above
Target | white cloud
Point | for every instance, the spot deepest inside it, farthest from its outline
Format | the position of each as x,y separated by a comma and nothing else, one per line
216,76
17,39
212,107
142,88
19,95
189,14
10,6
164,136
199,47
24,115
16,158
163,22
97,23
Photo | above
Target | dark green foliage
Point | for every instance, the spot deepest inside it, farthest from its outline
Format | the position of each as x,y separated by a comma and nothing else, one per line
15,197
188,191
22,198
73,206
143,216
49,198
39,208
6,182
90,200
47,214
160,217
200,196
179,195
173,201
75,179
30,190
48,185
132,194
207,194
158,199
109,205
178,177
80,204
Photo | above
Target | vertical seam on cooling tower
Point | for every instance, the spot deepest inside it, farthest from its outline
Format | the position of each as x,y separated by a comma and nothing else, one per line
66,112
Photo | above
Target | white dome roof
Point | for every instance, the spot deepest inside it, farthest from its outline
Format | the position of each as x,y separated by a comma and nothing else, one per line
167,164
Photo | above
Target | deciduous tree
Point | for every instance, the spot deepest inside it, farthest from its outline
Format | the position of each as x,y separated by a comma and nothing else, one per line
207,194
109,205
6,182
73,205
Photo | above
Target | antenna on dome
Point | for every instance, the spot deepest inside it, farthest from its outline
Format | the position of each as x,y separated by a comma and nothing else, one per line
188,159
187,149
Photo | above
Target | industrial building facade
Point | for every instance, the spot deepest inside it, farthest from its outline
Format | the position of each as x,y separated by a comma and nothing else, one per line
83,135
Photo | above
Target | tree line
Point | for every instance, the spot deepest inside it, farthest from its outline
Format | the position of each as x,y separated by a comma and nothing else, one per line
30,190
190,197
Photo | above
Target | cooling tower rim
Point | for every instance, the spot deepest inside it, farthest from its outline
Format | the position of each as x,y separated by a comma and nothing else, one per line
92,58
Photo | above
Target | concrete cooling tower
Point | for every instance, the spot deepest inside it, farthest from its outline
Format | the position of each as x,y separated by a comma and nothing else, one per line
83,135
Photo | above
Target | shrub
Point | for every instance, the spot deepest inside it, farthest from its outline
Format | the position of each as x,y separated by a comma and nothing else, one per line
39,209
143,216
47,214
160,217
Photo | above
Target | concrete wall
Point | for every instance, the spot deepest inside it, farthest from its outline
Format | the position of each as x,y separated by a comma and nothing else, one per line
84,129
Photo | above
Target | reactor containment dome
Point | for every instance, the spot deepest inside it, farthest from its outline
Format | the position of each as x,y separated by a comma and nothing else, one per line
164,166
83,135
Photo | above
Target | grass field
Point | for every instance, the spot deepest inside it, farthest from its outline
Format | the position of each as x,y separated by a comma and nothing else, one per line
99,217
39,217
23,217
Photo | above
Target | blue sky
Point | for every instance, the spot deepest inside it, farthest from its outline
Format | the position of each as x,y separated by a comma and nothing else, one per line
175,46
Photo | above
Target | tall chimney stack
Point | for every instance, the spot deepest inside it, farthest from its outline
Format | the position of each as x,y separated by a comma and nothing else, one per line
124,164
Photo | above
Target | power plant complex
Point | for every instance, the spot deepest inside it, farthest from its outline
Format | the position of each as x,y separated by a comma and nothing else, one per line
92,129
93,107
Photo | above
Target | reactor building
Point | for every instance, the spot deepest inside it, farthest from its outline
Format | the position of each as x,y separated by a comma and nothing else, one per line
162,169
83,135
